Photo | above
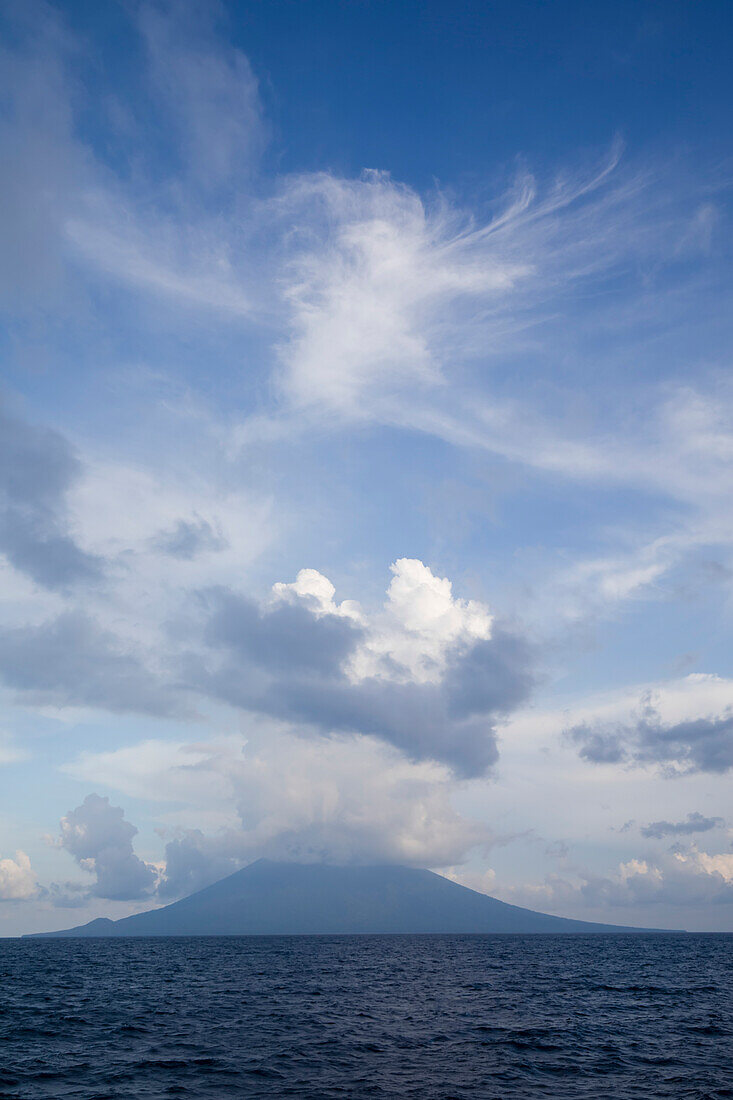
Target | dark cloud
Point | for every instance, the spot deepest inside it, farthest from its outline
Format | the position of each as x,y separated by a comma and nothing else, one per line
37,467
189,538
491,677
415,718
693,823
596,745
100,840
71,661
699,745
287,638
288,662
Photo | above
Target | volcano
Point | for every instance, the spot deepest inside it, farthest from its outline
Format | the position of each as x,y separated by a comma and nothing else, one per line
296,899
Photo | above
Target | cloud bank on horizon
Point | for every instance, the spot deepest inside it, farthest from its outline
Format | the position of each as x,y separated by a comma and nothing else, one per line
345,514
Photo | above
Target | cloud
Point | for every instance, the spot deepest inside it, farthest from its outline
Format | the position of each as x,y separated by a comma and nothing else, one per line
389,292
147,204
378,303
678,878
483,882
72,661
430,675
693,823
66,895
189,538
421,623
680,748
45,166
681,878
37,469
285,638
10,751
343,801
205,91
17,880
169,533
100,840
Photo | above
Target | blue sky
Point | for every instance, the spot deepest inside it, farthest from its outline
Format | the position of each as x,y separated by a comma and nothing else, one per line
367,450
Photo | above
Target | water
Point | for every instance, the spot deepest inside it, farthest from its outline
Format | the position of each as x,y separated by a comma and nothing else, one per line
375,1016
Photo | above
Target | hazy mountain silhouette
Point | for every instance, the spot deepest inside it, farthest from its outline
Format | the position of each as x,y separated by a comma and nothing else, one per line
299,899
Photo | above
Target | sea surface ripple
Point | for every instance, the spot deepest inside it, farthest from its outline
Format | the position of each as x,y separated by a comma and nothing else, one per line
372,1016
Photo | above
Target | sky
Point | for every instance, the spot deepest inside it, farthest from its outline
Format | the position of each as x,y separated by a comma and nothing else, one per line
366,450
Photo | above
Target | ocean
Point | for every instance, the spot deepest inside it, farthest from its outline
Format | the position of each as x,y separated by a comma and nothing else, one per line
442,1017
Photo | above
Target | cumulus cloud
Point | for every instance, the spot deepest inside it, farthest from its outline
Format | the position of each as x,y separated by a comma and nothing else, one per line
72,661
680,878
100,840
431,675
17,880
677,878
37,468
345,801
693,823
421,624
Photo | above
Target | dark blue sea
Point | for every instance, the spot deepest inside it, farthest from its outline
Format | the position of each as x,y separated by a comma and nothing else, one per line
374,1016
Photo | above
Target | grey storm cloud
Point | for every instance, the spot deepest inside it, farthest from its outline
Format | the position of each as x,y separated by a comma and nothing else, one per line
289,663
72,661
693,823
37,467
698,745
100,840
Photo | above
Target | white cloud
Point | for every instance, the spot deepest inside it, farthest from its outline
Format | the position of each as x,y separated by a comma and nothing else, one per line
207,91
284,797
386,305
421,623
196,269
409,639
391,294
719,864
375,269
17,880
483,882
100,840
670,879
317,593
